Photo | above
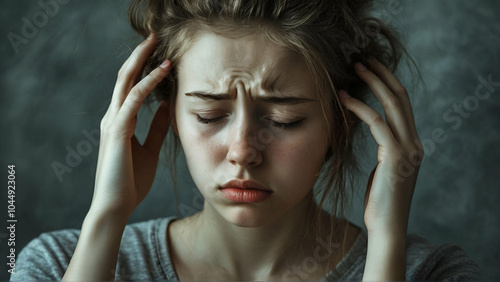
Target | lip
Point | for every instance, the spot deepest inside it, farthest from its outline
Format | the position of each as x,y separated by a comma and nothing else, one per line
245,190
245,195
245,184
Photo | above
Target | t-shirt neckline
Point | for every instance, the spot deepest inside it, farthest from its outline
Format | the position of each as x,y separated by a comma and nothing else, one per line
167,267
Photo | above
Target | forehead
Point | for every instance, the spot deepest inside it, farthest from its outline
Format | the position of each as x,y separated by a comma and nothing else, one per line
214,58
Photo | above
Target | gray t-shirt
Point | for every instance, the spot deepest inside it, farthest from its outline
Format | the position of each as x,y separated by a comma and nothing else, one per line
144,255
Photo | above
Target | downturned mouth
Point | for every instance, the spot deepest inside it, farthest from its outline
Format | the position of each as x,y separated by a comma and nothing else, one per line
245,184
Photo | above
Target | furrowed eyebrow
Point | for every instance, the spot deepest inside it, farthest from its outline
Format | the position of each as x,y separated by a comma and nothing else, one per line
266,99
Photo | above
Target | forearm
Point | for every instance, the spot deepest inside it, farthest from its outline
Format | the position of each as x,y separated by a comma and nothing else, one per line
385,258
97,249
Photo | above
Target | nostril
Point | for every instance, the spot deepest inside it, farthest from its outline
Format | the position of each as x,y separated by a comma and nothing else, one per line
243,155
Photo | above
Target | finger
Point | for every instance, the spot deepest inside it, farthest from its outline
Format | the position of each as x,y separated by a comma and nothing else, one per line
378,127
158,129
139,92
396,119
131,71
399,90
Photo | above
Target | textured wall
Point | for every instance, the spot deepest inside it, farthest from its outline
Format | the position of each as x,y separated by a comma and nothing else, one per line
57,81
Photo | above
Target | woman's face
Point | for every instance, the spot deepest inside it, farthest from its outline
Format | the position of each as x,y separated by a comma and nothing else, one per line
247,109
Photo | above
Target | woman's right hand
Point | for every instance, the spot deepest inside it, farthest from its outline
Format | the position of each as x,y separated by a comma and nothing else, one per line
125,168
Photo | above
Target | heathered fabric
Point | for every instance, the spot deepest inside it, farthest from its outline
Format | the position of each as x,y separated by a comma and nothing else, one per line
144,256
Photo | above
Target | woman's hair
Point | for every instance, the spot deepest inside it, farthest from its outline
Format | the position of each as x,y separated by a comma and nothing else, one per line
330,35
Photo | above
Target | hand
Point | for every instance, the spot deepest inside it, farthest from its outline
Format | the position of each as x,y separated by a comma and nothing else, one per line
125,168
392,182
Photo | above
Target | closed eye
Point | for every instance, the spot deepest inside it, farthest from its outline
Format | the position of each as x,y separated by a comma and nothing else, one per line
208,120
282,125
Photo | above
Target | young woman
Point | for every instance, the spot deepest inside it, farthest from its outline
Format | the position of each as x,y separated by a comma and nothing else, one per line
264,97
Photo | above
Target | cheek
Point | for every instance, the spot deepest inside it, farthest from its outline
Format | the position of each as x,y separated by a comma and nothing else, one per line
202,150
304,148
297,160
300,153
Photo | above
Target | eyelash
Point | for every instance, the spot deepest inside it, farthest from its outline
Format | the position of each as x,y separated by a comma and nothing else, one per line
273,123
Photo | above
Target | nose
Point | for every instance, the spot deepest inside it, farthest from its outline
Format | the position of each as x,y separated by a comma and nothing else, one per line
243,148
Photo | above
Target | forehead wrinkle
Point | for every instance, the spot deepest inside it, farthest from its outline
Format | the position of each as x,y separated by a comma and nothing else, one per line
236,72
229,77
232,75
264,81
262,75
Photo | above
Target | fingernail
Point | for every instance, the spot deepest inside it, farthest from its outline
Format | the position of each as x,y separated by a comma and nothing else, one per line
344,94
360,66
165,64
150,36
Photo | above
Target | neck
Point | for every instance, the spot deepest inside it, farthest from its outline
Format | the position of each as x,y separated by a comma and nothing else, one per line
255,252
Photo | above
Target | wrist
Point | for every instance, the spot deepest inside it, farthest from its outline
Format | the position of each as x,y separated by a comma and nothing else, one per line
387,245
386,257
387,230
98,247
101,209
100,217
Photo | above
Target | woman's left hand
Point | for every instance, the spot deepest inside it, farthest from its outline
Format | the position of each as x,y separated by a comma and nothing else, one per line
400,152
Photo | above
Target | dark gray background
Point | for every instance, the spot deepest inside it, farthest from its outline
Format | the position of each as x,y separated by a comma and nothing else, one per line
60,83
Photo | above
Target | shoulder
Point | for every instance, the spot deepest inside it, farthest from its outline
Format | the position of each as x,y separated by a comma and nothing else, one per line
144,254
47,256
427,261
424,261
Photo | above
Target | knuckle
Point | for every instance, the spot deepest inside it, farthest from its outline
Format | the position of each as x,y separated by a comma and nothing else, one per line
418,146
134,96
376,119
401,90
104,124
122,72
417,141
416,157
392,102
143,44
136,53
414,153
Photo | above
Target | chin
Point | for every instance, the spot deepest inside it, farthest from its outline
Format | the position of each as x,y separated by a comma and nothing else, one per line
246,216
